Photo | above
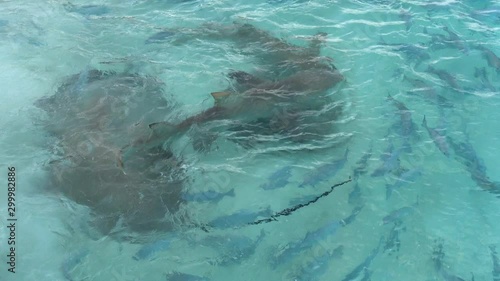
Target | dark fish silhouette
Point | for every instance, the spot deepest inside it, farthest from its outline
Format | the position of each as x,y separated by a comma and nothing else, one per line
496,264
325,171
390,161
428,92
405,126
87,10
405,178
491,57
438,255
361,268
278,179
313,270
439,139
180,276
313,237
483,76
445,76
362,163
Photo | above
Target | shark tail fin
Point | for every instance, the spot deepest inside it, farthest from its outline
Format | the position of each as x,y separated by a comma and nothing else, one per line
424,122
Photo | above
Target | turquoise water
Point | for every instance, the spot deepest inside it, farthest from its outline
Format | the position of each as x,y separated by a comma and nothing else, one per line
413,210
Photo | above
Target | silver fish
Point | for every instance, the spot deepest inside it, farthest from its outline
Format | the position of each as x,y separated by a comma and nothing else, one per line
400,213
207,196
180,276
312,238
405,178
390,161
356,272
440,140
491,57
325,171
278,179
239,218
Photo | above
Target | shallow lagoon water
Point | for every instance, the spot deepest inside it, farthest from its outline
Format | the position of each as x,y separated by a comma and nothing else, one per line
438,224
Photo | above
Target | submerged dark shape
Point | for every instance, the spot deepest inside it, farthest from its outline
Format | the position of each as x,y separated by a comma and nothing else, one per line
440,41
467,156
438,256
180,276
390,161
496,264
234,249
363,266
314,269
278,179
407,177
413,52
428,92
313,238
324,171
483,76
491,57
274,52
274,103
91,116
362,163
393,242
439,139
407,17
159,37
405,126
87,10
445,76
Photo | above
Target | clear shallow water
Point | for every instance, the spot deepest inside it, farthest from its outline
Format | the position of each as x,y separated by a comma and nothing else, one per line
42,43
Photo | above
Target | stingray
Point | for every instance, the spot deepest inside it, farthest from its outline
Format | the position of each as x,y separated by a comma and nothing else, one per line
91,116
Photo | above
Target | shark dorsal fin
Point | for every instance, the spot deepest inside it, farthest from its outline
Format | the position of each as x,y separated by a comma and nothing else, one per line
161,128
220,96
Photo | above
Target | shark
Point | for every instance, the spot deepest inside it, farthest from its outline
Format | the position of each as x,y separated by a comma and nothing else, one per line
267,49
490,57
427,92
405,126
445,76
88,119
299,74
453,40
259,102
440,140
